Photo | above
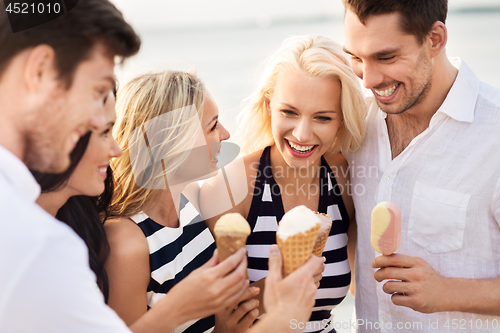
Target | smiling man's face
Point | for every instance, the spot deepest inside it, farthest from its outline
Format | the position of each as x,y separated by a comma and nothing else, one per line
391,63
68,114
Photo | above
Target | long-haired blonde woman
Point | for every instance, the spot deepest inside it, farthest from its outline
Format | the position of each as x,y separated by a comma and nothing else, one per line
307,109
169,133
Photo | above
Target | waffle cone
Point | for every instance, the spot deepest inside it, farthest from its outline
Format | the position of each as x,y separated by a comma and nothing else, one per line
319,246
297,249
228,243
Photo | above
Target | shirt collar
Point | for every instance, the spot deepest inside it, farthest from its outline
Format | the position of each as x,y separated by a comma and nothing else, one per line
15,172
461,99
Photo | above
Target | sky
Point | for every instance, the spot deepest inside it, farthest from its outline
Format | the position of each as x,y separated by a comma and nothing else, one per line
153,14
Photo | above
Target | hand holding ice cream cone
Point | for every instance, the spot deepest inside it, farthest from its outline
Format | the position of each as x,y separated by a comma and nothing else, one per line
291,297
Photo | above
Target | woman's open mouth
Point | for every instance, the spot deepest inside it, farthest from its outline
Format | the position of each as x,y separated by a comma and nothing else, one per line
300,150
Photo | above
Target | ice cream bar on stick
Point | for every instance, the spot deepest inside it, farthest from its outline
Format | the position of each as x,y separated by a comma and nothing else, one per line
324,232
386,228
296,235
231,232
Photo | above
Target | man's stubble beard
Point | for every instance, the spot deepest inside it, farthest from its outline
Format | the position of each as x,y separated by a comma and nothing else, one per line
420,90
45,145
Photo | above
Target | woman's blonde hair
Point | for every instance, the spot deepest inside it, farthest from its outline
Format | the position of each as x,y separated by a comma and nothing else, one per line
320,57
154,125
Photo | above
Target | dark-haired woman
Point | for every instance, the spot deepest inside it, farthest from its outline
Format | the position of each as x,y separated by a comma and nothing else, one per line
80,196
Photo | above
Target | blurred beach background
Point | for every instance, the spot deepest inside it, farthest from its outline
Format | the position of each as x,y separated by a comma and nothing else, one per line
227,41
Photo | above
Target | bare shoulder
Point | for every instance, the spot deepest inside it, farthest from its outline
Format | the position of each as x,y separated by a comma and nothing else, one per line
192,193
340,169
253,158
126,238
231,190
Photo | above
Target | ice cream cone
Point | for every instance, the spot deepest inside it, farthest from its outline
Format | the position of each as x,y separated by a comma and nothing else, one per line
296,235
323,233
231,232
297,249
228,243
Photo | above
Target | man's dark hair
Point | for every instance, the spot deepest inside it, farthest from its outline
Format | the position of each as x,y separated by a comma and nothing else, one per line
417,16
72,36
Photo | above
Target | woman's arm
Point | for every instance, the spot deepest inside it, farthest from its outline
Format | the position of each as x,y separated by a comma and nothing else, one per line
128,269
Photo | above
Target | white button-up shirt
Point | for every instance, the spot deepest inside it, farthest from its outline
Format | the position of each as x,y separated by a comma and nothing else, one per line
46,284
447,184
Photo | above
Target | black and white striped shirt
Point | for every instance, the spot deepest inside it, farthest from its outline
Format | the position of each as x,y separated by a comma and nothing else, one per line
176,252
265,212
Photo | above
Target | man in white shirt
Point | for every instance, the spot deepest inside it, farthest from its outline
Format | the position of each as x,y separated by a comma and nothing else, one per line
53,82
431,147
54,79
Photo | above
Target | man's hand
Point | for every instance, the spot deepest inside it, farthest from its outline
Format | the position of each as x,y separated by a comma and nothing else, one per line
419,287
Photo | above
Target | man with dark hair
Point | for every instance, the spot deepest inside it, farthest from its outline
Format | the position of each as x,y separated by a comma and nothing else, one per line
432,133
54,79
66,67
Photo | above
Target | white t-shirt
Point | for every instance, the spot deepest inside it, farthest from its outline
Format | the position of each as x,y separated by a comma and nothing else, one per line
447,184
46,284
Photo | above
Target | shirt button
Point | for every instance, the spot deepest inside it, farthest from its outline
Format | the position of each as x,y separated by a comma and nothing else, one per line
385,319
381,133
387,178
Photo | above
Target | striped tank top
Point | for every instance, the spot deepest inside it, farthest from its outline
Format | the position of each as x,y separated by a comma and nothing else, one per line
176,252
265,212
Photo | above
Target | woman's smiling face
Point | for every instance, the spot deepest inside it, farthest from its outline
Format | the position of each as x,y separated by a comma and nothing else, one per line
202,159
305,116
213,130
